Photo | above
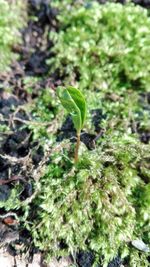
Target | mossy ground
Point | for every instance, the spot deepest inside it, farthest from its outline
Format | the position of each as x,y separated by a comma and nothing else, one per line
102,203
12,19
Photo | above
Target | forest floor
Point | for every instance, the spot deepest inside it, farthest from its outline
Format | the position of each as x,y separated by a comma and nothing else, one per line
20,156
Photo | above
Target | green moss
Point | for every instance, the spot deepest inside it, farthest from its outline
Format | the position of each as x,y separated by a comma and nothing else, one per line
44,110
11,20
13,202
104,47
4,128
94,206
103,203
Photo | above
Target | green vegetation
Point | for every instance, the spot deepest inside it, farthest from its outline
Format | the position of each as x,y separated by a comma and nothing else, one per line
103,203
103,47
73,101
11,20
94,206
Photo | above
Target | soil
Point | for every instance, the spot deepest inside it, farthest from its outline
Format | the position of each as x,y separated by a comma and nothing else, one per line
68,131
19,154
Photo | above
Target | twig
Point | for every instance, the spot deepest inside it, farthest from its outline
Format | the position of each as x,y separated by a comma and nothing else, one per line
31,122
3,216
38,172
7,133
14,178
14,159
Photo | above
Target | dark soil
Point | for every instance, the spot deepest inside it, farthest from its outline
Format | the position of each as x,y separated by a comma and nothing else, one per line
19,154
144,133
86,259
37,46
68,131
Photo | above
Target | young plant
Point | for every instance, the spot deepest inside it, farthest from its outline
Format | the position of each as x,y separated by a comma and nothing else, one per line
74,102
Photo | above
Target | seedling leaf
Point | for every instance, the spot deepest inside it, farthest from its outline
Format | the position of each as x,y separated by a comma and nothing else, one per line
74,102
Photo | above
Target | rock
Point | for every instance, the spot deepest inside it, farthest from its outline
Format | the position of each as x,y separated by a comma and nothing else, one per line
6,260
140,245
63,262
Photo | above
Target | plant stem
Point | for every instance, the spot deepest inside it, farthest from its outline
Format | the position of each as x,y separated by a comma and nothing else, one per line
77,147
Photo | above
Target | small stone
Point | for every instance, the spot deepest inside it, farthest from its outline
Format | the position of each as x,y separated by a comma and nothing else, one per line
63,262
140,245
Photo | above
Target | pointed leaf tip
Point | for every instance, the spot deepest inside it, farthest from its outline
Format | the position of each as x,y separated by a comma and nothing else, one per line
74,102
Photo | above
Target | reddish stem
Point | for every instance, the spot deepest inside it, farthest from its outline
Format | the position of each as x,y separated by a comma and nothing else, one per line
77,147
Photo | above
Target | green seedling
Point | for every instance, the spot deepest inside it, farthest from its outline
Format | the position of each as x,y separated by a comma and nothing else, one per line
74,102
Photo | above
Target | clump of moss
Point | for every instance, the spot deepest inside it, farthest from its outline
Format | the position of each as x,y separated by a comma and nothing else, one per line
103,47
103,203
11,20
93,206
44,110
